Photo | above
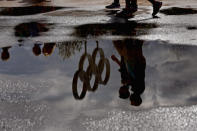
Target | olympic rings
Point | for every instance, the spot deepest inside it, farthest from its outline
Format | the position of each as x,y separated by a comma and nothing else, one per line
92,69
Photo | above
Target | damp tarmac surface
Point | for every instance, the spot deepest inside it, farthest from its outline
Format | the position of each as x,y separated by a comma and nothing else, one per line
74,68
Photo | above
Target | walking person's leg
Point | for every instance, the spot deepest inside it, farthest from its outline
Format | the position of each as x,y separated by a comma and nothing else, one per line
115,4
156,6
133,4
130,8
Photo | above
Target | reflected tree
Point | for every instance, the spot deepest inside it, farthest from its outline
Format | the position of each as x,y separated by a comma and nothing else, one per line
67,49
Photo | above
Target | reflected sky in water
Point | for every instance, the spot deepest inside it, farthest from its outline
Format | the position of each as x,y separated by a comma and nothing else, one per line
169,76
46,80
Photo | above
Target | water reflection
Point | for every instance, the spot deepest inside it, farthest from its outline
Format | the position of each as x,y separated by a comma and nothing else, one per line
66,49
170,69
36,49
48,49
132,69
93,69
5,55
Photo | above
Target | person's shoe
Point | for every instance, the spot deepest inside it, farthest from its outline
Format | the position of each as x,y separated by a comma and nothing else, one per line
124,92
113,5
156,8
126,13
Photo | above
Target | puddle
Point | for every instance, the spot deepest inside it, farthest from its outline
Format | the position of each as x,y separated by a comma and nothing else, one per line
178,11
29,10
136,57
93,77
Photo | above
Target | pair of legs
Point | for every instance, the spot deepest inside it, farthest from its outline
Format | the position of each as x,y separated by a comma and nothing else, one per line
137,85
132,6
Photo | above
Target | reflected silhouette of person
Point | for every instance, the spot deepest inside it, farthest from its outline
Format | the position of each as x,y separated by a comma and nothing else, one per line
36,49
48,48
5,55
132,69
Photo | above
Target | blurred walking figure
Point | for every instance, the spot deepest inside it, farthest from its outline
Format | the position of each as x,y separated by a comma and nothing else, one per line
131,7
5,55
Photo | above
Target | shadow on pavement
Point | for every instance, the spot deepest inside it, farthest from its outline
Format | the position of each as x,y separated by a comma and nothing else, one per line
32,29
178,11
130,28
29,10
192,28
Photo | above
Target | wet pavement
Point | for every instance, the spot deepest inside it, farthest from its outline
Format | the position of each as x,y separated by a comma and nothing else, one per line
78,68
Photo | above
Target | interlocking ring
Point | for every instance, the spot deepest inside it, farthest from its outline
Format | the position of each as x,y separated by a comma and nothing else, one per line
103,61
82,60
79,74
90,72
101,64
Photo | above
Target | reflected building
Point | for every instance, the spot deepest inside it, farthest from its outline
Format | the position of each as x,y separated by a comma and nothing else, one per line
93,70
132,69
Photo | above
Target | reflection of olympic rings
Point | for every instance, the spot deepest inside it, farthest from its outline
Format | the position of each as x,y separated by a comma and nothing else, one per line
93,69
75,81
